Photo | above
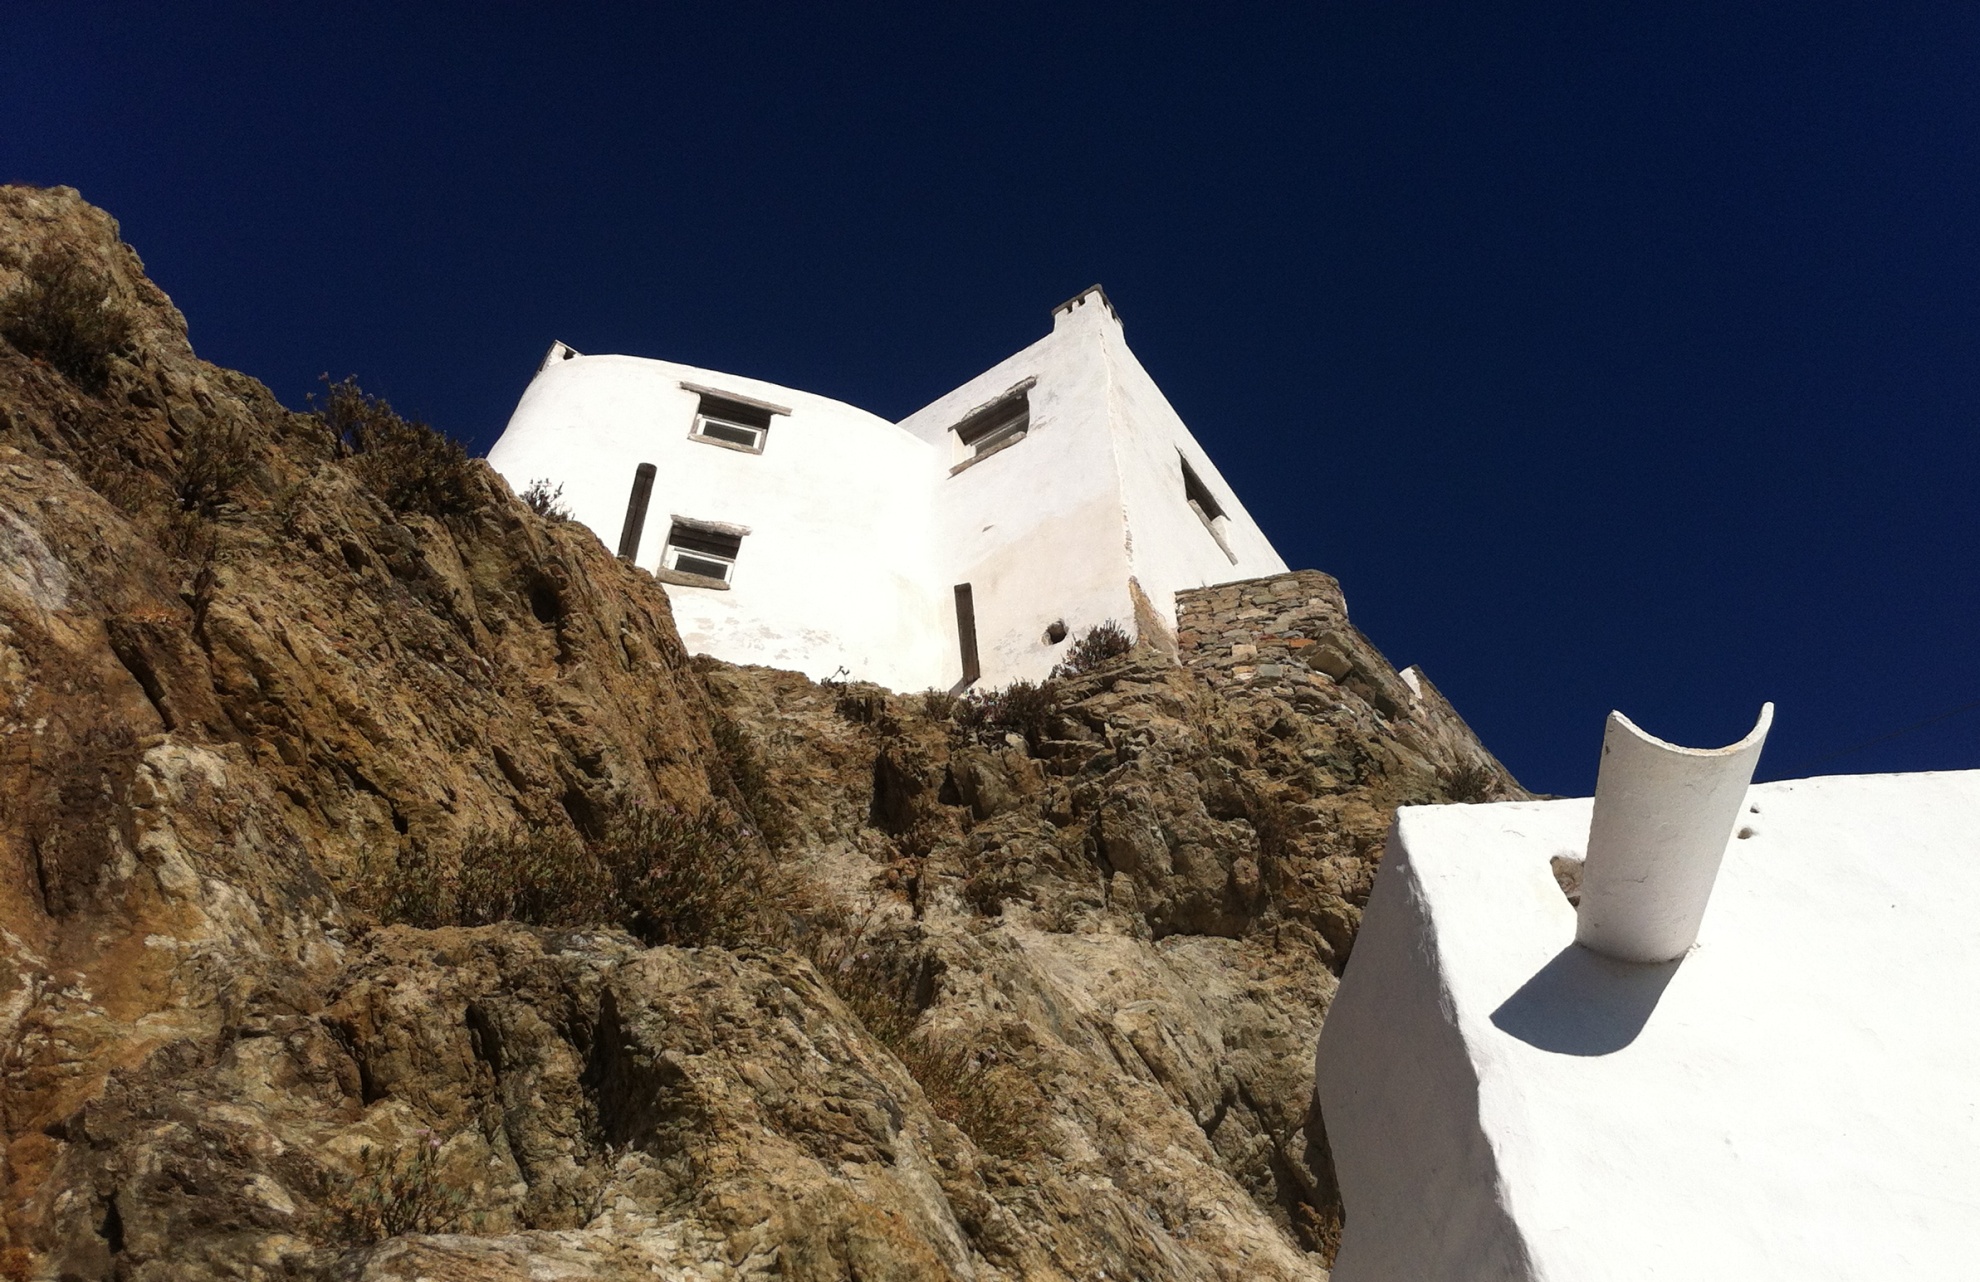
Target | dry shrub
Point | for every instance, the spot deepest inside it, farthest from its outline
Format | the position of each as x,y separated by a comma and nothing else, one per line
975,1087
668,876
939,705
977,1090
1094,647
408,464
395,1192
1021,708
1469,783
545,500
215,459
63,314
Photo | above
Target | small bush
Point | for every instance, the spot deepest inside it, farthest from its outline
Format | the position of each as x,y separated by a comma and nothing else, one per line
547,878
668,876
938,705
215,459
683,878
406,463
396,1192
1094,647
1469,783
1020,708
975,1090
63,314
545,500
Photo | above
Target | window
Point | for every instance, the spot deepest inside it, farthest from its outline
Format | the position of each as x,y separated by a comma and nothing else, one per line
1206,507
702,549
1001,423
731,421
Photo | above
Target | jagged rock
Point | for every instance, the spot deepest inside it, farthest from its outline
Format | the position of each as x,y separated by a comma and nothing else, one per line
1045,1005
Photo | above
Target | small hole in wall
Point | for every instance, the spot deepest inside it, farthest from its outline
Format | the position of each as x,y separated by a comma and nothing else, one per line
1744,833
1056,633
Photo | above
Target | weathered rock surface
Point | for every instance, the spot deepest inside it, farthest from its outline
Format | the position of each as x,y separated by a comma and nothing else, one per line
227,713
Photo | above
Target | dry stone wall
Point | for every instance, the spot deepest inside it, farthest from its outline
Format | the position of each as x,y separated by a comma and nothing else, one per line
1288,637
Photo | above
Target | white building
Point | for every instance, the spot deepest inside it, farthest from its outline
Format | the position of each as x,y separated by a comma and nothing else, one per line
1789,1089
1055,491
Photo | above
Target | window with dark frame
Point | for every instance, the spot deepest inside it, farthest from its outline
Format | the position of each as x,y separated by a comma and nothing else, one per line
733,423
693,549
995,426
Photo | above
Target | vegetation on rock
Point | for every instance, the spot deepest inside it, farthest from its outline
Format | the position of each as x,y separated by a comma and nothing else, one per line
348,800
63,313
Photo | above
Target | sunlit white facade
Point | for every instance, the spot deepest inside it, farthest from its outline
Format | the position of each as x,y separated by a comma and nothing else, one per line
1054,491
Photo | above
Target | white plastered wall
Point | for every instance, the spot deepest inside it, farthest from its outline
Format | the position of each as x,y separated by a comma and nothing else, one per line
1053,527
1037,529
837,568
1792,1101
1169,547
859,530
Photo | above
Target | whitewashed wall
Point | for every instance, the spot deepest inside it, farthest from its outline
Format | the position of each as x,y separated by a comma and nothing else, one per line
860,529
1053,527
1169,548
837,569
1037,530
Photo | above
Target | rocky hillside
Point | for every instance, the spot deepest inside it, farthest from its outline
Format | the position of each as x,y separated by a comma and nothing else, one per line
384,894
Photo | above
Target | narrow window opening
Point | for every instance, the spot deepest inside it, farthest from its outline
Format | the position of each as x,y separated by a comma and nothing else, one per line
972,668
1198,494
1206,507
726,422
635,526
995,426
695,550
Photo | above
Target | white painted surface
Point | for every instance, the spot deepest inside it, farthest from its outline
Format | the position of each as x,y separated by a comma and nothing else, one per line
836,570
1053,527
1663,815
860,531
1796,1099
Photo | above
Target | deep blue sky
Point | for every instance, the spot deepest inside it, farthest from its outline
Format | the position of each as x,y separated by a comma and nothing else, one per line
1610,357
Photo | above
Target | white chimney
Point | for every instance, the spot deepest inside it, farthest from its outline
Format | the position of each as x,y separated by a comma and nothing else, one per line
1663,817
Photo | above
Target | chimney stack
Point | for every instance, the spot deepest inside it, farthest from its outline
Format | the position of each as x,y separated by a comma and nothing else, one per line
1663,816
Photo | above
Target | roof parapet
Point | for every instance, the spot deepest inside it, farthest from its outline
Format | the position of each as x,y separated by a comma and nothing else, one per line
1663,816
1072,306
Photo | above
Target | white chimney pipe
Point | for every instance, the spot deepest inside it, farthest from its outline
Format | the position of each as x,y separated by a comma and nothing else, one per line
1663,817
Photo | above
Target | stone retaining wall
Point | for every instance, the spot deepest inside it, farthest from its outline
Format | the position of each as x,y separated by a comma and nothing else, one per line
1292,629
1287,638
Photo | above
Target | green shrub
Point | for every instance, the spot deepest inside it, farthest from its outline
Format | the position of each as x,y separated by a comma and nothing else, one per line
760,803
406,463
63,314
681,878
1092,648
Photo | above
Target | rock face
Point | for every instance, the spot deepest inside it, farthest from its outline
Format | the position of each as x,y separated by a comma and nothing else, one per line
1044,1005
